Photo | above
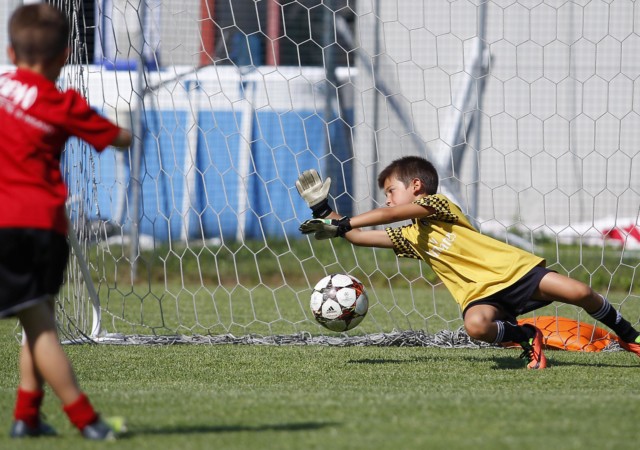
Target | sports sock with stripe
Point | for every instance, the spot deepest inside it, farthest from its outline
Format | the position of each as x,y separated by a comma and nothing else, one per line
612,318
511,332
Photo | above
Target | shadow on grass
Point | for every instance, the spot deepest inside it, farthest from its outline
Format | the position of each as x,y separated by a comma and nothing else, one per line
510,362
202,429
503,363
383,361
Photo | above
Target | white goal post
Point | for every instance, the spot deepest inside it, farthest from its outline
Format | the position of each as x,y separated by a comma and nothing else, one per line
530,110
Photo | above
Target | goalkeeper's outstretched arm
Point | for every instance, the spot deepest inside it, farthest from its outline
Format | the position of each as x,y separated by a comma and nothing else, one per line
335,225
363,238
380,216
329,224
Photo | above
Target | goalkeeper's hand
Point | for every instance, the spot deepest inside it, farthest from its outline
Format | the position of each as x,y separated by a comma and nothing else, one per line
326,228
315,192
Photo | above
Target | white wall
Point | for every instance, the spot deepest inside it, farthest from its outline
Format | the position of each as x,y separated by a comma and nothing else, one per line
560,124
560,127
6,8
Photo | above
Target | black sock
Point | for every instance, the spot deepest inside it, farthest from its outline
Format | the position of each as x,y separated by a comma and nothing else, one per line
608,315
511,332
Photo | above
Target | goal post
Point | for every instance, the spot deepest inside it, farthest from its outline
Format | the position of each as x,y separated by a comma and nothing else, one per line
529,111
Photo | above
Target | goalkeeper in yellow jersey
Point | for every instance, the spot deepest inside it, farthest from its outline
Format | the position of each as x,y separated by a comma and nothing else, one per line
493,282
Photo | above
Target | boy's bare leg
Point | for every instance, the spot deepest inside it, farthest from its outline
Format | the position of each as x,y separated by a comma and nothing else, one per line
30,378
480,322
488,323
43,360
42,357
556,287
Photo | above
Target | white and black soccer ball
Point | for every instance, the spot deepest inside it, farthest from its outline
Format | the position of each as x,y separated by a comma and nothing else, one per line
339,302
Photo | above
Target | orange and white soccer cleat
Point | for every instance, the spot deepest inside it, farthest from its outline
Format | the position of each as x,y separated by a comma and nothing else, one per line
633,347
532,350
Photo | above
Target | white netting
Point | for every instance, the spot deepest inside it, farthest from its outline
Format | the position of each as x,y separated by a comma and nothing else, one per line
528,109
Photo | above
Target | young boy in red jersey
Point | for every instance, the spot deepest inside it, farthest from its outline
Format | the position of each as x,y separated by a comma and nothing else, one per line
493,282
37,119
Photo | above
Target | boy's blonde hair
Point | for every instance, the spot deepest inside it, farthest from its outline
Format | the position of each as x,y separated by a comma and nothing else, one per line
408,168
39,33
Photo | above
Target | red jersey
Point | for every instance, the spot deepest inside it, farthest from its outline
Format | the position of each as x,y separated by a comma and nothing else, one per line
36,119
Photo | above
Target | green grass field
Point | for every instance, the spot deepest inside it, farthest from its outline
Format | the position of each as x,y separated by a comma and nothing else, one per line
312,397
189,397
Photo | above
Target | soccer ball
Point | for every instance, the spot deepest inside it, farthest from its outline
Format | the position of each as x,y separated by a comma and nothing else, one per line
339,302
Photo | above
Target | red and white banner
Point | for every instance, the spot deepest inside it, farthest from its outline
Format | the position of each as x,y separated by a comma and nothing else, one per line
623,233
627,236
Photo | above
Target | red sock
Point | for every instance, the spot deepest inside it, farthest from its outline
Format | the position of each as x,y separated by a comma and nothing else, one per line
80,412
28,407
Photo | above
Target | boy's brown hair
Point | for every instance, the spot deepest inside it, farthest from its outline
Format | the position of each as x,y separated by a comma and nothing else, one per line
410,167
39,33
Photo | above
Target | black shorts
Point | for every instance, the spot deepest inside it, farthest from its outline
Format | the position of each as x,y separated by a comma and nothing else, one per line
516,299
32,265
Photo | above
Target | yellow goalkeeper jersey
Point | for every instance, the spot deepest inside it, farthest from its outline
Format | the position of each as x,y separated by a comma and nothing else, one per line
471,265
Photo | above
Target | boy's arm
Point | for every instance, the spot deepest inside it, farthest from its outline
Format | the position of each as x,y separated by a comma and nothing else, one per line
389,214
350,228
123,139
369,238
328,224
86,123
364,238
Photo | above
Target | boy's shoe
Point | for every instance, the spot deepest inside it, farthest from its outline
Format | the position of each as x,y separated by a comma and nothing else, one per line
532,350
633,347
106,429
20,429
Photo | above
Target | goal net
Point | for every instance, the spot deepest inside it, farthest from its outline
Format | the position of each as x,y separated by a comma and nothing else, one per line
529,111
